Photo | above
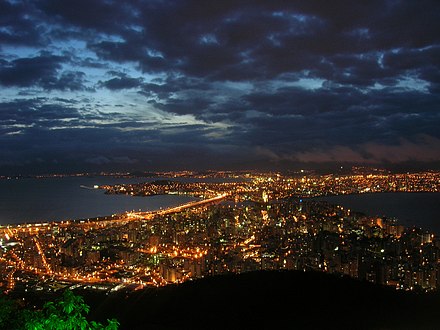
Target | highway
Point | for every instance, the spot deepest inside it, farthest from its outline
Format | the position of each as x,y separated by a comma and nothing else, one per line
34,228
38,228
180,208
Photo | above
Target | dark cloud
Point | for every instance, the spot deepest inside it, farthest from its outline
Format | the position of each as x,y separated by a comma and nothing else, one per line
48,131
219,83
260,40
17,20
121,82
103,16
25,72
43,71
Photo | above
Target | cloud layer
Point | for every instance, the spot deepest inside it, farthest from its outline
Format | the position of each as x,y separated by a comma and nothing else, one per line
231,84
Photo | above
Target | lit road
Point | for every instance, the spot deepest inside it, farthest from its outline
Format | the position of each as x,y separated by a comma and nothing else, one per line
180,208
191,204
42,255
34,230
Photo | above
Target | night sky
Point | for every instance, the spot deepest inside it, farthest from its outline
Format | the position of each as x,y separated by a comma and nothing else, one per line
158,85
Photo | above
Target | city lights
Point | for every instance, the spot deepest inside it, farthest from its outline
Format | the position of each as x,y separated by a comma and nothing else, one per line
264,221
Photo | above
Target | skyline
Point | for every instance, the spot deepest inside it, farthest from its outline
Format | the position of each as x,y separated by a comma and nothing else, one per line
261,222
151,85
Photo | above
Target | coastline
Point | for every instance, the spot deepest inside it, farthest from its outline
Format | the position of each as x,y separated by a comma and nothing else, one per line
63,199
411,209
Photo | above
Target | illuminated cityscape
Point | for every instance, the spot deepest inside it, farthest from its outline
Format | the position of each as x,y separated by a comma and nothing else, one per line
263,221
188,164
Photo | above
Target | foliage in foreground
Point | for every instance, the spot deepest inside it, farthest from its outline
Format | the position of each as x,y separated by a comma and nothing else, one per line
67,313
10,314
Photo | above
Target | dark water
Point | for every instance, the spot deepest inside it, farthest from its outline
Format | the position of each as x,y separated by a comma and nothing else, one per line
31,200
411,209
53,199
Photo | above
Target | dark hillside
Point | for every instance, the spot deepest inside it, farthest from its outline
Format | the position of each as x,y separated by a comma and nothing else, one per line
268,300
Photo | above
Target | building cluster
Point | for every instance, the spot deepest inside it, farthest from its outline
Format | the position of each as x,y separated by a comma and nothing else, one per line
313,185
254,225
173,187
278,186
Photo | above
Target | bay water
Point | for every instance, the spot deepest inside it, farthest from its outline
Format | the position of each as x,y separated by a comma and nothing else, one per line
65,198
55,199
419,209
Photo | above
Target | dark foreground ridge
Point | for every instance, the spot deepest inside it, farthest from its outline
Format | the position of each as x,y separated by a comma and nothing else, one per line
268,300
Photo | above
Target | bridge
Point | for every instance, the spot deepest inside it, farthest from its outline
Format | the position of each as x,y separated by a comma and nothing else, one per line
150,214
34,228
